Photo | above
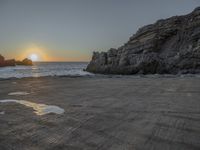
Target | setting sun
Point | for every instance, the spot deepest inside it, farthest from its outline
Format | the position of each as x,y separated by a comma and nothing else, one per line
34,52
34,57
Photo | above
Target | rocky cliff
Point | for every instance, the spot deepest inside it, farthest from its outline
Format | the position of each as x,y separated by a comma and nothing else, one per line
168,46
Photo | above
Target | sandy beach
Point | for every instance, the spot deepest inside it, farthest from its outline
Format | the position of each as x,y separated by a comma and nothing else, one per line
102,113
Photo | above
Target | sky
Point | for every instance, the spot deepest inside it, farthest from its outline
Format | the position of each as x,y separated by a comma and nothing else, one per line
70,30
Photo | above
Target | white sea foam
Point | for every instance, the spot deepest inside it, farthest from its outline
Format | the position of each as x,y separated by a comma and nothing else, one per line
39,109
2,113
18,93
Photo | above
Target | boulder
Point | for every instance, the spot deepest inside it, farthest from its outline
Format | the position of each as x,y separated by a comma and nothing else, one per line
168,46
27,62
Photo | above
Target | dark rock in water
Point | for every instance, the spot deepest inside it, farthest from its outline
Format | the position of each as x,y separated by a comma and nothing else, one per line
27,62
167,46
4,63
2,60
12,62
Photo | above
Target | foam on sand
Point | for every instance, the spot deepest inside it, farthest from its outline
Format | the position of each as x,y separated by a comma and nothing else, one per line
39,109
18,93
2,113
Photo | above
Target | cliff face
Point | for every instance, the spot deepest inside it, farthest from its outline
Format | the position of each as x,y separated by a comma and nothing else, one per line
167,46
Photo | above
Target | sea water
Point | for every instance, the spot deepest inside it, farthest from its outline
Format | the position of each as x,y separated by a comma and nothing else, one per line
45,69
40,69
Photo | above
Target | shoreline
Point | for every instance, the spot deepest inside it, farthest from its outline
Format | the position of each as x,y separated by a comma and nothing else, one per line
110,76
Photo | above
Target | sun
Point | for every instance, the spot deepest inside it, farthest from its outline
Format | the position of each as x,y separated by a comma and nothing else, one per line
33,57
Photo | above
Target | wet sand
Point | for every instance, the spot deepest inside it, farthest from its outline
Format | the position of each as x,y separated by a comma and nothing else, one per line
102,113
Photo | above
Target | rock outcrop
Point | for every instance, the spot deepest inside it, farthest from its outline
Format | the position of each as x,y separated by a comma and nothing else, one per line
168,46
2,60
25,62
12,62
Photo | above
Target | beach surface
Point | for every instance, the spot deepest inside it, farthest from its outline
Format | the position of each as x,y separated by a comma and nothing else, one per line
102,113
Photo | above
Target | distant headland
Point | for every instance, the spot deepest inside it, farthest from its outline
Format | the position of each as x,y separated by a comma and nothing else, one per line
13,62
169,46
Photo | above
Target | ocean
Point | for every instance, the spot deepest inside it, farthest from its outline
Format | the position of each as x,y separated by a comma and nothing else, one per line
40,69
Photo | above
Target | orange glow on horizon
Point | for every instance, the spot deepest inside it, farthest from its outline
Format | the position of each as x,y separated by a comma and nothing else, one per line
47,55
40,52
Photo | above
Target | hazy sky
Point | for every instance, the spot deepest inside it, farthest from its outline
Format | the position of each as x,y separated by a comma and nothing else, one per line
69,30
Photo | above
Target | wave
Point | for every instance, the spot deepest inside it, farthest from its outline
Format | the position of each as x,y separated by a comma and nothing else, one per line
45,69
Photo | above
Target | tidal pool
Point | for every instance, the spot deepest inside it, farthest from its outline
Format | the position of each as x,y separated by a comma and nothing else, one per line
39,109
